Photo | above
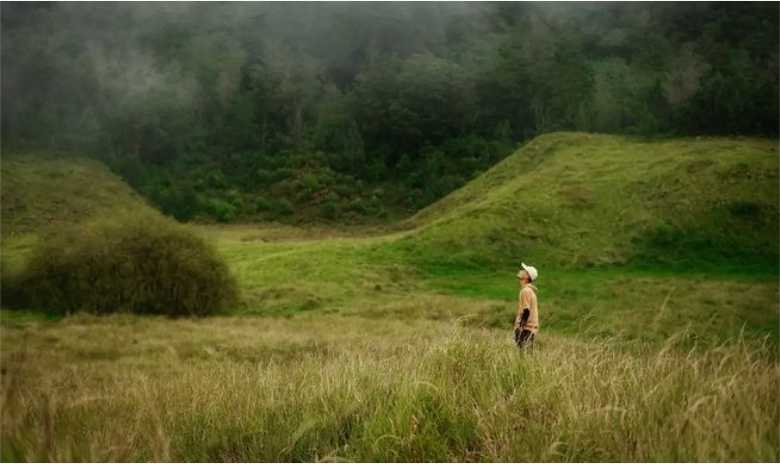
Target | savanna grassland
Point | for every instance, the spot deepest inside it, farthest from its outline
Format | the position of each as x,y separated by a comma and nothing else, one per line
659,318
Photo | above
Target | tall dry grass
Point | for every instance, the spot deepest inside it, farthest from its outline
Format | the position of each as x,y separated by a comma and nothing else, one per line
335,388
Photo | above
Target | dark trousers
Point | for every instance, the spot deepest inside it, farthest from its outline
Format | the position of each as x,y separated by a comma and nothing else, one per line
524,338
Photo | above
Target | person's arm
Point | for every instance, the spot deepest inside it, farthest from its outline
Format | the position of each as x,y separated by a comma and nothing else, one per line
523,309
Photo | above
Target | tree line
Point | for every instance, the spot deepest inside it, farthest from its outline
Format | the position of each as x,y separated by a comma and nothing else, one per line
296,110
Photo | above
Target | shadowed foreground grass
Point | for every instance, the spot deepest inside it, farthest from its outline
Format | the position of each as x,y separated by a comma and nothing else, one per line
121,387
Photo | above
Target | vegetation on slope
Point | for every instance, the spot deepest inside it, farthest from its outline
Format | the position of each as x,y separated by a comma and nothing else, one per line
398,353
608,277
42,190
469,244
579,200
658,257
76,237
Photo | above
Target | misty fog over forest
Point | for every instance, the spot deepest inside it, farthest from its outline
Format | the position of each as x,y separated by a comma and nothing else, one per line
389,232
365,110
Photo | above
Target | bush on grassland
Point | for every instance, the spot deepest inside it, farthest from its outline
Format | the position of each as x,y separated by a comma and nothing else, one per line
142,263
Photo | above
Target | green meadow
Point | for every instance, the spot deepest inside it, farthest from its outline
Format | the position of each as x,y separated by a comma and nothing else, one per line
658,293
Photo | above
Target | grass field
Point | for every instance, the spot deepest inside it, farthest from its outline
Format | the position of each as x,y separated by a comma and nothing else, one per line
348,388
659,335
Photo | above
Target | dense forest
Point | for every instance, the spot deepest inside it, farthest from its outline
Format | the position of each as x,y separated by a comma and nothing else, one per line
365,111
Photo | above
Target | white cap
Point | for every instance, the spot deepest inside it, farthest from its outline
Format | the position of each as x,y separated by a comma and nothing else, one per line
532,272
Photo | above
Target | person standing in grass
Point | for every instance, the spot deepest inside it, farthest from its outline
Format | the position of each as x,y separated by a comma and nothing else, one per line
527,319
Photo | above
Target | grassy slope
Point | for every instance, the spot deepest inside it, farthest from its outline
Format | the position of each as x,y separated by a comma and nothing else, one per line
468,245
632,237
426,371
456,259
40,191
578,200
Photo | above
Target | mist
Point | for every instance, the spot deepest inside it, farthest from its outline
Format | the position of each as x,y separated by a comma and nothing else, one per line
389,232
414,97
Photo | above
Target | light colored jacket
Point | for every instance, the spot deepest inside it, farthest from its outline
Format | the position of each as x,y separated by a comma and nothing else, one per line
527,299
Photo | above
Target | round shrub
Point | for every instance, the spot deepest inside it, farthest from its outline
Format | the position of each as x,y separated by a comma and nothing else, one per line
142,263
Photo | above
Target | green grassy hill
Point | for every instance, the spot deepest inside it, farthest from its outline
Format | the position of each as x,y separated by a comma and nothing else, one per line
671,233
395,345
578,200
571,200
40,190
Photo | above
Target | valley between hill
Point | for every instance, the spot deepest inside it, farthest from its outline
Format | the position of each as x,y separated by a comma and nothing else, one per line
658,296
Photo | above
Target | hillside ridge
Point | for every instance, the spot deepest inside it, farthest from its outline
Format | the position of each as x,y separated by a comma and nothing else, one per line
569,198
580,199
41,190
